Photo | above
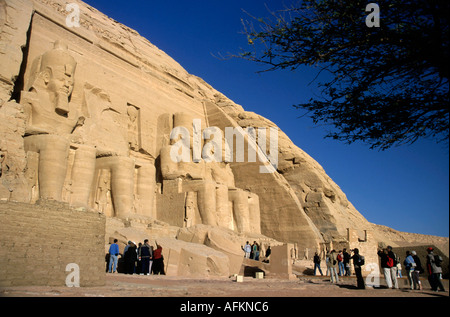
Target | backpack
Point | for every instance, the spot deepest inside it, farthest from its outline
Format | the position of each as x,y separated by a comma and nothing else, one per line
339,258
437,260
390,261
361,261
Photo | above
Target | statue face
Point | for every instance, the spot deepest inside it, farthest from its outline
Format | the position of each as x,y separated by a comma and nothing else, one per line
60,80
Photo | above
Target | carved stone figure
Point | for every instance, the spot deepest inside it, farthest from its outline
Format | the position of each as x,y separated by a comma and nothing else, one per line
103,191
218,201
4,191
133,128
51,117
48,97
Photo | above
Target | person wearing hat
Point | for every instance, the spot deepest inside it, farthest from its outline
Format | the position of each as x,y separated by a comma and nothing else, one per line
434,272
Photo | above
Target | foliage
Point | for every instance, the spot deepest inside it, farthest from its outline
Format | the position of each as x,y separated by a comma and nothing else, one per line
387,85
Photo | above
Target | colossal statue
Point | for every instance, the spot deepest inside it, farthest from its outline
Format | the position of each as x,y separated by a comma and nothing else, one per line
56,130
209,185
51,117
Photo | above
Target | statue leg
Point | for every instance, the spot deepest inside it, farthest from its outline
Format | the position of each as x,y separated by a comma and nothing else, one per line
122,183
83,172
225,218
146,189
207,203
53,152
240,209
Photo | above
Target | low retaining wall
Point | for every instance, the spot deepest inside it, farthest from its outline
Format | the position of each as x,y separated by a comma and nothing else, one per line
51,244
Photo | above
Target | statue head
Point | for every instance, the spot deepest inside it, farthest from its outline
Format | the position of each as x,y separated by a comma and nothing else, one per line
57,69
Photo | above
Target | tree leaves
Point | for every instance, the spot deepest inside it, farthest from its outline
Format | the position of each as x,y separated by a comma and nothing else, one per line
389,85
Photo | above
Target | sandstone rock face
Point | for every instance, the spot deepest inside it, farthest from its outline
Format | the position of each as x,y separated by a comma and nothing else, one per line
97,117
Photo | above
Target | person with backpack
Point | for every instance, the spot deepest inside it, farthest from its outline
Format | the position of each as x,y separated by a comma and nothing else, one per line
358,262
394,269
332,266
389,267
417,271
434,263
410,265
145,256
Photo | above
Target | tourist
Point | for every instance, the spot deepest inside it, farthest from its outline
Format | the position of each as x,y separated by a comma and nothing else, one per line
247,249
388,266
158,261
434,271
113,256
358,262
332,265
254,250
130,257
151,260
145,255
340,259
107,262
126,247
409,268
417,271
347,262
139,262
394,270
399,268
316,260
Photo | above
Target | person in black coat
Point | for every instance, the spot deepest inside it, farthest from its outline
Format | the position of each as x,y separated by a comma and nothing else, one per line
130,258
417,271
358,262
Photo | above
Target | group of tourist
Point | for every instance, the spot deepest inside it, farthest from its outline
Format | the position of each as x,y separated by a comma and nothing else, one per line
140,259
254,251
389,262
338,264
342,265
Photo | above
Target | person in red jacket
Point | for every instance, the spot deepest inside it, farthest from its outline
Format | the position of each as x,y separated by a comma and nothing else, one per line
158,261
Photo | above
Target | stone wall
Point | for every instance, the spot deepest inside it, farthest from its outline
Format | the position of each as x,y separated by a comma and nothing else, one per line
38,242
367,247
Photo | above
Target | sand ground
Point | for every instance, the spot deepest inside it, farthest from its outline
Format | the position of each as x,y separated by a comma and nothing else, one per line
174,296
121,285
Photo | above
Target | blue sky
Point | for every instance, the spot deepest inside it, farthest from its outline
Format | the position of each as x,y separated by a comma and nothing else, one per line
405,188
